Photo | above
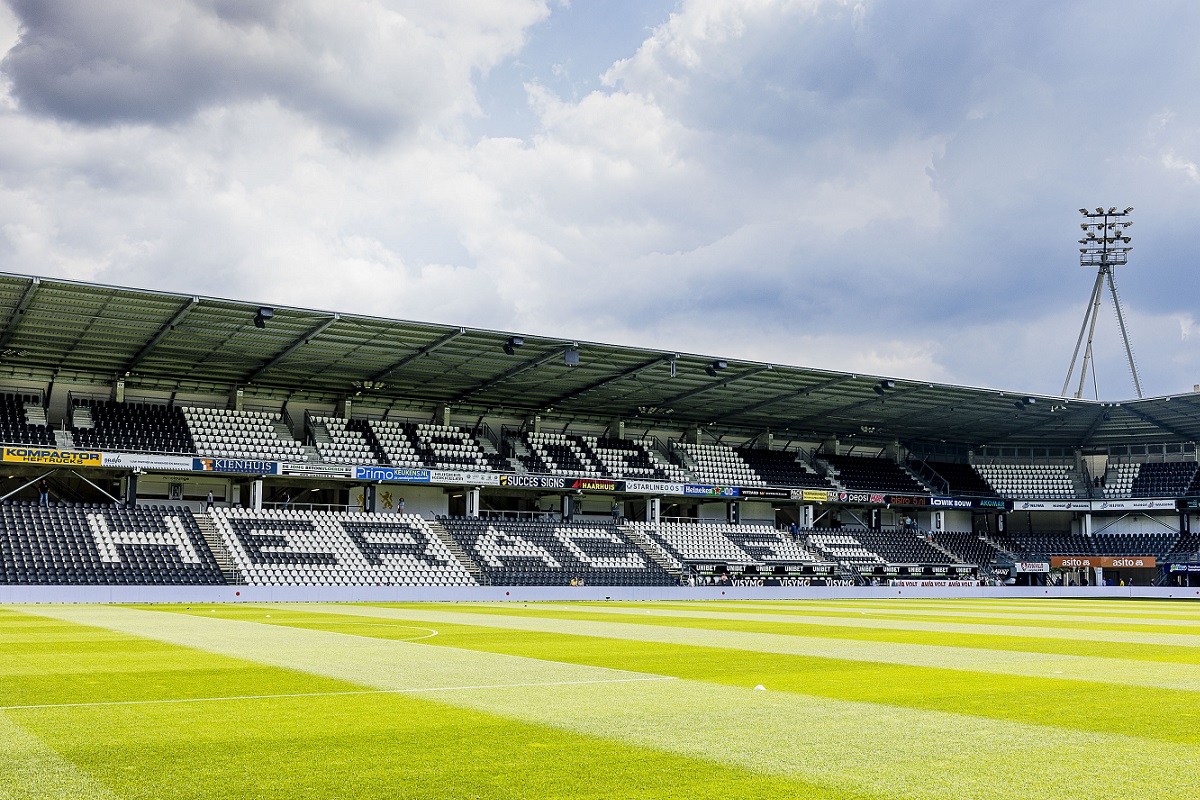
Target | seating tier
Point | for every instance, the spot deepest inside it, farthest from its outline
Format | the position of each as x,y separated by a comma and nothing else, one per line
549,553
76,544
282,548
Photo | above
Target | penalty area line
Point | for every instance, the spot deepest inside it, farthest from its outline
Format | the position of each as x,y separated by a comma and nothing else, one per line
351,693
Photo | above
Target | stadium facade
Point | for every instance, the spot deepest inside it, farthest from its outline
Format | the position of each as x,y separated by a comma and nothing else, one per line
155,438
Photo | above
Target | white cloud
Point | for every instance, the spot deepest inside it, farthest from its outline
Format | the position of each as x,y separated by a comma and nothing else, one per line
1176,163
841,185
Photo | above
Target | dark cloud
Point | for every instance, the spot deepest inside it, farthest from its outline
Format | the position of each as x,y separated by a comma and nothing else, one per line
359,67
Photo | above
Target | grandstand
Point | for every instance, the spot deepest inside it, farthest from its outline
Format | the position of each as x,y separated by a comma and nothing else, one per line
154,438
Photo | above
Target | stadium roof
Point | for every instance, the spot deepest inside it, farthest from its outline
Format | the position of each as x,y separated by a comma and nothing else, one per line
80,333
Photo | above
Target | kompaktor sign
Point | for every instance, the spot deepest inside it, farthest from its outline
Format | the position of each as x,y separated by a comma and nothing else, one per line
65,458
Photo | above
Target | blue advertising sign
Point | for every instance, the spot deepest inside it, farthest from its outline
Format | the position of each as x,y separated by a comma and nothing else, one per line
392,474
241,466
698,490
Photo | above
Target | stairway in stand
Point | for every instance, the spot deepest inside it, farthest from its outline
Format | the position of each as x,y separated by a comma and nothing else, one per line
456,550
651,549
233,575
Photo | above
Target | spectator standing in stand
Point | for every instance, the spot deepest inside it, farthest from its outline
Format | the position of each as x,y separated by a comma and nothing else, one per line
43,493
210,500
400,506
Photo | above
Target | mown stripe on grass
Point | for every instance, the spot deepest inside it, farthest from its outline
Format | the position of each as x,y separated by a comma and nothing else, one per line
1185,677
328,745
1151,713
357,659
984,616
878,748
1078,647
1013,628
1151,610
30,770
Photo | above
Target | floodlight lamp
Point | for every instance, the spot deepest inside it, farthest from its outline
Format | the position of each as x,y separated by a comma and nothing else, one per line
510,347
264,314
715,367
571,356
1083,211
1128,210
1099,210
1112,210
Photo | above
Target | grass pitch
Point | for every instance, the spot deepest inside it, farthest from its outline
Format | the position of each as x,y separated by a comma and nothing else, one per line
861,699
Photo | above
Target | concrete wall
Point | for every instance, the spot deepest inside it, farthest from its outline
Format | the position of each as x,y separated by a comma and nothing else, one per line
347,594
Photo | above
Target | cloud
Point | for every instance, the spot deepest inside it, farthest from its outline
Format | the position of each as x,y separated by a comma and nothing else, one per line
370,68
846,185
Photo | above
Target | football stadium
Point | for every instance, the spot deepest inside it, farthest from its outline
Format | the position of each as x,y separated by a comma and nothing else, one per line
598,399
261,551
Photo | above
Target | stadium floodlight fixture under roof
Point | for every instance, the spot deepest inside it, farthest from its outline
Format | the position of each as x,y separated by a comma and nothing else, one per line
510,347
1105,246
715,367
264,314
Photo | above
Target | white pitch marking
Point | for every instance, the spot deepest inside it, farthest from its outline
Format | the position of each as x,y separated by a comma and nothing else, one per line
420,690
432,633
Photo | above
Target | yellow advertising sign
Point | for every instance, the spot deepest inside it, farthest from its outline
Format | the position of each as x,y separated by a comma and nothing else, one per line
62,458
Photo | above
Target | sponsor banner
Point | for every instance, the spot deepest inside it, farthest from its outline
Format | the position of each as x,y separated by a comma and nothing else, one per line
950,502
994,502
392,474
242,466
764,491
1107,562
595,484
1031,566
1190,504
469,478
934,583
317,470
1192,568
48,455
1052,505
697,490
653,487
533,481
145,461
1132,505
907,500
813,495
860,497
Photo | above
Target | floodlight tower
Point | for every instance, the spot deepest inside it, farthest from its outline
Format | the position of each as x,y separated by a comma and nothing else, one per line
1104,245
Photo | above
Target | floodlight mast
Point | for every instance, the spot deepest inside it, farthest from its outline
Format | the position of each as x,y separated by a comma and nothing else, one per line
1104,245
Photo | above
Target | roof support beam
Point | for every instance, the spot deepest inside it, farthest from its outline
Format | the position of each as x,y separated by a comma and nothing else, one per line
424,351
293,347
533,363
1101,416
1144,417
169,326
882,399
820,387
718,385
22,304
620,376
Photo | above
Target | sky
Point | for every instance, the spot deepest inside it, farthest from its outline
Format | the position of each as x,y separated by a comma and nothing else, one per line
886,186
